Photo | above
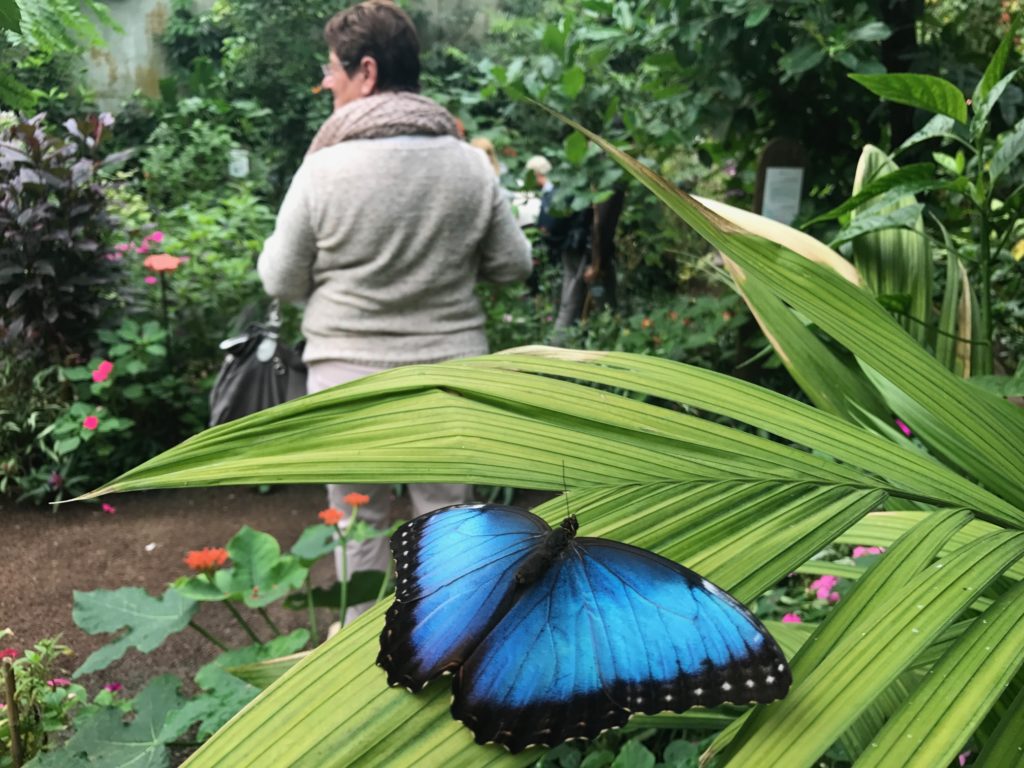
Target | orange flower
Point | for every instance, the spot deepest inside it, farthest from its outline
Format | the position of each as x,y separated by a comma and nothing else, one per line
315,89
331,516
207,559
357,499
161,262
646,323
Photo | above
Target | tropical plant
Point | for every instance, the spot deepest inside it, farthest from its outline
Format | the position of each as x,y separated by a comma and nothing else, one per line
741,508
55,283
37,32
978,201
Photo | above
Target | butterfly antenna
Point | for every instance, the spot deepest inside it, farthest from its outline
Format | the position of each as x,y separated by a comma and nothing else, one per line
565,491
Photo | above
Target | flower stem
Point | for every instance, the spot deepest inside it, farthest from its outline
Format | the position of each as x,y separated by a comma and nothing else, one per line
208,635
12,712
163,307
270,622
241,620
314,633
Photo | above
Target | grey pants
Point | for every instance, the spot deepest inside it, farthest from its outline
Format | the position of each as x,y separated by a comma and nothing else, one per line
373,555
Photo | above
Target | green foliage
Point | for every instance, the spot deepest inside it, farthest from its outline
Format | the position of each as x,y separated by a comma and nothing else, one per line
259,573
38,34
149,621
186,157
107,740
55,283
47,703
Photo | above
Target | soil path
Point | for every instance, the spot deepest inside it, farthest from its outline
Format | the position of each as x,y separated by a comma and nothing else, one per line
45,555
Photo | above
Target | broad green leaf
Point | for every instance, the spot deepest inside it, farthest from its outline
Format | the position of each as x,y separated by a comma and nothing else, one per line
573,80
957,693
106,740
983,108
800,59
895,261
856,321
903,620
149,621
927,92
905,217
938,126
872,32
314,542
575,148
223,693
362,587
259,573
996,66
1010,148
1006,745
10,15
901,182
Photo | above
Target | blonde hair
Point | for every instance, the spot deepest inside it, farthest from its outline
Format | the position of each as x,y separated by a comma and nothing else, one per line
488,147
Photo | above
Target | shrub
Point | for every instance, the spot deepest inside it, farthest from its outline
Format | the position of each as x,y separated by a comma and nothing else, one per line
55,281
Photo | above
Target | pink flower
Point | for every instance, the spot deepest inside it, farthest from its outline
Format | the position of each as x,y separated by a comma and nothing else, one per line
90,422
113,687
154,237
962,757
822,588
150,280
862,551
122,247
144,248
109,508
8,653
792,618
102,371
58,682
113,256
56,481
903,427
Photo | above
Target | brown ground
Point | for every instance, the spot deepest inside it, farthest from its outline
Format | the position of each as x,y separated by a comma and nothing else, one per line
45,555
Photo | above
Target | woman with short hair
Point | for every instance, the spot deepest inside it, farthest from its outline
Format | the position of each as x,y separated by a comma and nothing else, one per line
385,230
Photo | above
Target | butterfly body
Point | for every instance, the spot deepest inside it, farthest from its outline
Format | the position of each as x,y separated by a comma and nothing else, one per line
553,637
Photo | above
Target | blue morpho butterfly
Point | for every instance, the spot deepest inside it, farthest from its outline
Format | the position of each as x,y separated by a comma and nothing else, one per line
552,637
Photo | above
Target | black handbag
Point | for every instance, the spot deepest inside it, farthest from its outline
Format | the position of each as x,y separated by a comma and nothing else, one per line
258,372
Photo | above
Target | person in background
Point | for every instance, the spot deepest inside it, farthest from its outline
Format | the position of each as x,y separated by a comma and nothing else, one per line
487,146
386,228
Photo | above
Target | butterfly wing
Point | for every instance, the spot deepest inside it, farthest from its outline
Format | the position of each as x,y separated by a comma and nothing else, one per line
455,575
611,630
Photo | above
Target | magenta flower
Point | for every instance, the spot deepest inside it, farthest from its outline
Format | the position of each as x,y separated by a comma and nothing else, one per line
113,687
108,508
154,237
822,588
862,551
792,618
122,247
150,280
8,653
56,481
903,427
102,371
113,256
58,682
90,422
962,757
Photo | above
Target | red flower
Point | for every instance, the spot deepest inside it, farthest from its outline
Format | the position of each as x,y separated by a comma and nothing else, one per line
356,499
109,508
161,262
8,653
207,559
102,371
90,422
331,516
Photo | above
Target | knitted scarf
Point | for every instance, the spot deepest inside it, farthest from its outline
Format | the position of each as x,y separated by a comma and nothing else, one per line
391,113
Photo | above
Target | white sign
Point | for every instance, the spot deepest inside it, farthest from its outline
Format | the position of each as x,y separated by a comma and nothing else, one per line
238,163
781,200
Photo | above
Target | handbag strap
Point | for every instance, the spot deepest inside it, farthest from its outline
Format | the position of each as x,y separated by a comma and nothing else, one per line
274,316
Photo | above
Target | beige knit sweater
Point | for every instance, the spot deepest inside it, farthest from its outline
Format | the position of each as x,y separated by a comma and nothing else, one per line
384,241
